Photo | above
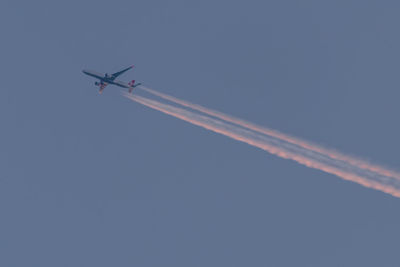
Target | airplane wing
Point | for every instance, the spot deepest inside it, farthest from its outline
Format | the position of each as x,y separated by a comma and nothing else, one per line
102,86
93,74
115,75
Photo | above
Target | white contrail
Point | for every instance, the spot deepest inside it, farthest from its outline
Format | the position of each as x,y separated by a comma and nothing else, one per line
307,145
281,148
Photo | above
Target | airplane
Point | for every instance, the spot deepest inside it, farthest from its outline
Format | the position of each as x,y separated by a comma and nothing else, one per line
107,79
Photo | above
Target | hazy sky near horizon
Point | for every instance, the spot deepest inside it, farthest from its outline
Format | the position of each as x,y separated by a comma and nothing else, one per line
97,180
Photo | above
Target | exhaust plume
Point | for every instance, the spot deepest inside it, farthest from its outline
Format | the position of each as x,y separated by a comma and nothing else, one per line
376,178
307,145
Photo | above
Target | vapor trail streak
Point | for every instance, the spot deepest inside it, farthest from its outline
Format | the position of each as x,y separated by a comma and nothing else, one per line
385,184
307,145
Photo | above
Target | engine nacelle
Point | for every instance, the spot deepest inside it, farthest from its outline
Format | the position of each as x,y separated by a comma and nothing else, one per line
96,83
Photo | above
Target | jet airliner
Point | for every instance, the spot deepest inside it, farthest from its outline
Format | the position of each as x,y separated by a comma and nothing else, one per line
106,79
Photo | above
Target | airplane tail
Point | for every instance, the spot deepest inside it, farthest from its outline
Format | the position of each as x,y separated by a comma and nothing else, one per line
132,85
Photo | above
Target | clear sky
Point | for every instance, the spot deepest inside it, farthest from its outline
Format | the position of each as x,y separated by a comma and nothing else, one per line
98,180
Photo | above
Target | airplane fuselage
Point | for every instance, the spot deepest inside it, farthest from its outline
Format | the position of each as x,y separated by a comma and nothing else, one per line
105,78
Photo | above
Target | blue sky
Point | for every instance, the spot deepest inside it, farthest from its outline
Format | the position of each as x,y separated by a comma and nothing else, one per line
89,179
